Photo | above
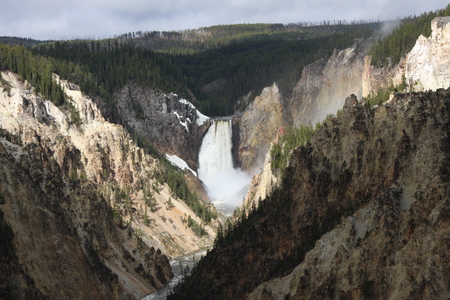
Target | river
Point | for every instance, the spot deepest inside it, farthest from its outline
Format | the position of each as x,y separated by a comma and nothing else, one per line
180,266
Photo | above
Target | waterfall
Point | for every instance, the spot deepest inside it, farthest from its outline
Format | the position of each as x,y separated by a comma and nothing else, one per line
226,186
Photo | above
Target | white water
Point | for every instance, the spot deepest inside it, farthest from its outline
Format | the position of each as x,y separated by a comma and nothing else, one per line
226,186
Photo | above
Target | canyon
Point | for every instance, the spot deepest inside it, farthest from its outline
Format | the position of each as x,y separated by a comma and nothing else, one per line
87,209
361,211
74,192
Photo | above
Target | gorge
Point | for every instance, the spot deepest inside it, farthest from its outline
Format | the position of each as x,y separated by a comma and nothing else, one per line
101,197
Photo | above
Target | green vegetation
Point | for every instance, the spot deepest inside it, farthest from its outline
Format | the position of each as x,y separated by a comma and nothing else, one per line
37,70
281,152
392,48
8,40
196,227
383,94
174,177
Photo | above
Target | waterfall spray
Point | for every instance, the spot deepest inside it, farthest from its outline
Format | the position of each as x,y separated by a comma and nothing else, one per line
225,185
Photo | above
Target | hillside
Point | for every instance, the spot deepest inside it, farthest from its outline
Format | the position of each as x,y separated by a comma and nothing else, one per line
83,208
352,209
361,208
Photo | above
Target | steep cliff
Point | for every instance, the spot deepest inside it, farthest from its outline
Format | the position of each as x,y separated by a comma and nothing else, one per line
170,123
427,65
76,192
362,212
325,84
257,126
62,237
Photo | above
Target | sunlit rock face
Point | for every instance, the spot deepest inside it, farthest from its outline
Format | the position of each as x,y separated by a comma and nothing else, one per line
257,127
324,85
60,236
428,63
68,180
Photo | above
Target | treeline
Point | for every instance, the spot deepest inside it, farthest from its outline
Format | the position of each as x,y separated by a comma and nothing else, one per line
8,40
252,65
204,38
104,67
37,70
396,45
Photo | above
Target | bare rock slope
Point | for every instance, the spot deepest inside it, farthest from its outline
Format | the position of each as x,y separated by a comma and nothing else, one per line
82,207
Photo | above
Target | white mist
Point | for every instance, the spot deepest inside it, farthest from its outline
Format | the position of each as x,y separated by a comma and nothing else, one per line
226,186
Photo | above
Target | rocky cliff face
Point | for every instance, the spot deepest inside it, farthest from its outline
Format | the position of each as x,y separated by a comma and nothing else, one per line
320,91
362,213
427,65
62,237
170,123
424,68
66,174
324,85
256,128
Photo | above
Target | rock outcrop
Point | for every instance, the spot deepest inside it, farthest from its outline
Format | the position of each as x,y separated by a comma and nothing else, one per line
427,65
74,192
324,85
173,125
319,92
362,212
256,127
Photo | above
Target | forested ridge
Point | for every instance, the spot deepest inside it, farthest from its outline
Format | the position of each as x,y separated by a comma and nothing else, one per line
213,67
104,67
206,38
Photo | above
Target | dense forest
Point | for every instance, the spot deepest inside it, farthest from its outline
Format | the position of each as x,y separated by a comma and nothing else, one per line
213,67
240,66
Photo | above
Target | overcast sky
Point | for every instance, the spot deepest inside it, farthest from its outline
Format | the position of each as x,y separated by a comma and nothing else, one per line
59,19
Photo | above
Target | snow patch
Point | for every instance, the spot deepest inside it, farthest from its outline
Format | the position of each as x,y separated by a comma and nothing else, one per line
181,122
180,163
201,118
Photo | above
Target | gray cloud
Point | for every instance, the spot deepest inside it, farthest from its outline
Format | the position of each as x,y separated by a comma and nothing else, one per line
56,19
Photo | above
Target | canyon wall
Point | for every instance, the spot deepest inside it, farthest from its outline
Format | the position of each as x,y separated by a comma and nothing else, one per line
362,209
171,124
325,84
362,212
84,209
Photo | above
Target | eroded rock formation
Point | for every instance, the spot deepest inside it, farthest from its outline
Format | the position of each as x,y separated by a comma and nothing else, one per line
362,212
170,123
75,193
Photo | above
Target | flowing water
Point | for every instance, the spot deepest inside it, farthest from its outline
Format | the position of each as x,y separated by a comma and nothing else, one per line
180,266
225,185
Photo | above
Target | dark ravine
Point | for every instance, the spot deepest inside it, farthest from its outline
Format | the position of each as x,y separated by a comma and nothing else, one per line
373,180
